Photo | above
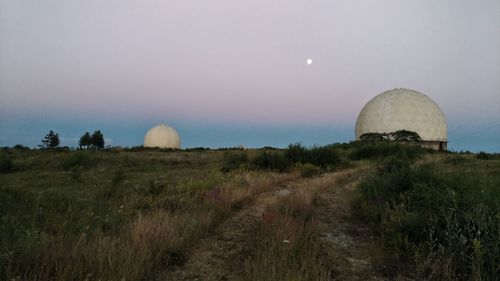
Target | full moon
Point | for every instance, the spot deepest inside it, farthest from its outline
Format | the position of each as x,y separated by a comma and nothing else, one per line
309,61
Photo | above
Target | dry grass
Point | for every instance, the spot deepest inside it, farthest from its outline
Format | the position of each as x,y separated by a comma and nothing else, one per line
151,209
287,245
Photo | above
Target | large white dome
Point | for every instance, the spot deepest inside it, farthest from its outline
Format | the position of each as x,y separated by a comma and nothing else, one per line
162,136
402,109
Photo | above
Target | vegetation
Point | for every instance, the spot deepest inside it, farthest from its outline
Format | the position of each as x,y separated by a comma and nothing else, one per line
97,140
6,164
373,137
445,217
140,213
85,141
400,135
233,161
321,156
102,215
287,244
486,156
51,140
295,156
375,151
274,161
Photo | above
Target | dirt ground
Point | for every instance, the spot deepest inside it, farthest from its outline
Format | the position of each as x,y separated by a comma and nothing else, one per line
221,255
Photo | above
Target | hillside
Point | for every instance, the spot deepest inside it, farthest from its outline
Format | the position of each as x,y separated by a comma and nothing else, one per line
341,212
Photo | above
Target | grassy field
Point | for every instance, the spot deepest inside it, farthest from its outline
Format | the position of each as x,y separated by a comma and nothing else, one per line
142,214
66,215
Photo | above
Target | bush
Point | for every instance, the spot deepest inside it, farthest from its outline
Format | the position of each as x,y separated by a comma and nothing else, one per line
386,149
308,170
321,156
6,164
484,156
453,217
275,161
233,161
21,147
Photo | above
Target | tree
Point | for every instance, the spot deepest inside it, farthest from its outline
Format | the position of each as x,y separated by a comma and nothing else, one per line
405,135
97,139
51,140
373,137
401,135
85,140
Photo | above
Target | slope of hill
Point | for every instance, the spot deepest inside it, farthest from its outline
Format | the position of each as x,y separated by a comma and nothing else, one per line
340,212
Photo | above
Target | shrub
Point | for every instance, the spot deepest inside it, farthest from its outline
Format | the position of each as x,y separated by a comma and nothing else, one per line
385,149
275,161
21,147
308,170
6,164
321,156
233,161
451,216
296,153
484,156
197,149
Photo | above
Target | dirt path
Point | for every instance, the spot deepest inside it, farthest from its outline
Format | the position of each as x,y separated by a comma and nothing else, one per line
221,255
346,240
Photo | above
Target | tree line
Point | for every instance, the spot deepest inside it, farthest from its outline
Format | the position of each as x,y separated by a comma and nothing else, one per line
87,140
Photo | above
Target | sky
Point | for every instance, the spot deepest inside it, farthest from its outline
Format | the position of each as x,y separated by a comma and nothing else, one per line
234,72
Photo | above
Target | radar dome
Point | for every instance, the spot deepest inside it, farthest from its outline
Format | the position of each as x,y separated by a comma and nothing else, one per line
162,136
403,109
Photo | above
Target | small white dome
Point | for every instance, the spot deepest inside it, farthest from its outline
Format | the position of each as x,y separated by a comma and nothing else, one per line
403,109
162,136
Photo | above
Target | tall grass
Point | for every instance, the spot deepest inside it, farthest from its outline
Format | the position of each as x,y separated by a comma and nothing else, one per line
127,216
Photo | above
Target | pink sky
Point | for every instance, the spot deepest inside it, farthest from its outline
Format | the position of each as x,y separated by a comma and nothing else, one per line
244,62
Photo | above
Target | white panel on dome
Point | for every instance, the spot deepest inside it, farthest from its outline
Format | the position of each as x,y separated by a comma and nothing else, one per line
403,109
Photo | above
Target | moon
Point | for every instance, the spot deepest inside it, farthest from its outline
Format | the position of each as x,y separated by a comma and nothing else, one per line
309,61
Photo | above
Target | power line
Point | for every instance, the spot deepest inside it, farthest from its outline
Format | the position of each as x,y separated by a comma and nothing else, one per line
474,118
475,133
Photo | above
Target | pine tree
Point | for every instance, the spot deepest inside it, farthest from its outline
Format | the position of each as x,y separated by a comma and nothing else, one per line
51,140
